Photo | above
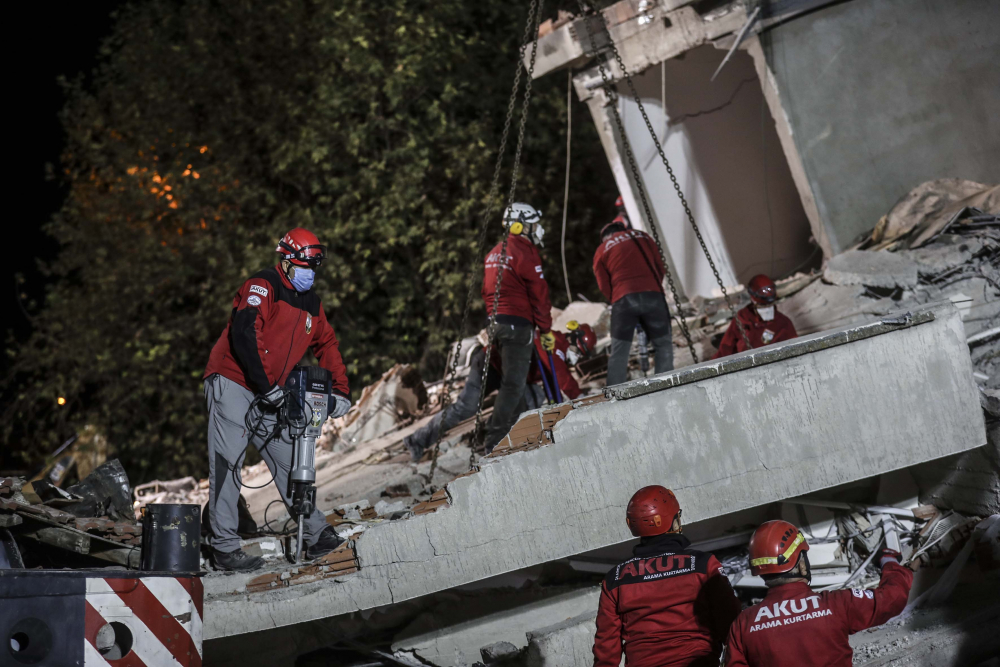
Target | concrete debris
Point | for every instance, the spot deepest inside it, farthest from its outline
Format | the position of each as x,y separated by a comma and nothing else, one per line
929,209
95,519
186,490
860,267
397,395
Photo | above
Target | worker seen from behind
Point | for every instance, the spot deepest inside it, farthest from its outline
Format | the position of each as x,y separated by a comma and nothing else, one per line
276,317
577,344
670,605
522,306
629,271
761,320
793,625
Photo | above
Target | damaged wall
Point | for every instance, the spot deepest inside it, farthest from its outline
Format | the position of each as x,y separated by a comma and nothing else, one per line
721,142
882,96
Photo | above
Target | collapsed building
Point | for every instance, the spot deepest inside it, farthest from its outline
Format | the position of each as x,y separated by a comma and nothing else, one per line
884,416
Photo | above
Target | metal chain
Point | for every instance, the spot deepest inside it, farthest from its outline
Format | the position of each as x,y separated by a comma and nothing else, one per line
673,178
510,201
483,229
613,97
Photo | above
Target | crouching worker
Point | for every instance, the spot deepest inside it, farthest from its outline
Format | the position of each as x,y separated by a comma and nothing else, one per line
669,606
276,317
761,320
792,625
570,348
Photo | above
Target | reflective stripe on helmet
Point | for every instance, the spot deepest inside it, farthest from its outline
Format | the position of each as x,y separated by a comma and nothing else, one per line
781,558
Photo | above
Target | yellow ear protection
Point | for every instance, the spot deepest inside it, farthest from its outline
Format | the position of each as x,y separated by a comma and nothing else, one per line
516,228
572,325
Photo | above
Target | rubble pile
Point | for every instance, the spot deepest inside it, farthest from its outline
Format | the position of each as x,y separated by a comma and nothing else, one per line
52,526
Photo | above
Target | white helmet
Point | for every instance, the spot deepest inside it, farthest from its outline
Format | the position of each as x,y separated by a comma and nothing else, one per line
528,217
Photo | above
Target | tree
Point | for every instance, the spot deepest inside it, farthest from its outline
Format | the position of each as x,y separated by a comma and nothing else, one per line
212,128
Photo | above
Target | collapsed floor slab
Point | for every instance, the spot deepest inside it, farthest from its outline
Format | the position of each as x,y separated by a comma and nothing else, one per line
748,430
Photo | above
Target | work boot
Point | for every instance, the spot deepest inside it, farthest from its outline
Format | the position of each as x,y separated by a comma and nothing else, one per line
416,451
236,561
327,542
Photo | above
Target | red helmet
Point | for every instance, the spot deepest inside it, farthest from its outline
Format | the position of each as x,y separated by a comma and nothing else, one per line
583,336
652,511
775,548
762,290
620,223
301,248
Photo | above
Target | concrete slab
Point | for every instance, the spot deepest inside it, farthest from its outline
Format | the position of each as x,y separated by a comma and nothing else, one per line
876,269
740,432
566,644
459,644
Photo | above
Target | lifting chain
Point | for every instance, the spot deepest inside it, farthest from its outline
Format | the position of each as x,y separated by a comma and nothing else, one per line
666,163
501,264
452,371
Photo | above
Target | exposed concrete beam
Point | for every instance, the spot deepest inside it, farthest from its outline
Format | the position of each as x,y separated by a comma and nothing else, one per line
784,128
758,428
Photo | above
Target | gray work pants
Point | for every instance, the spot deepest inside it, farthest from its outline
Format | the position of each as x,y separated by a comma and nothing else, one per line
649,310
516,345
227,442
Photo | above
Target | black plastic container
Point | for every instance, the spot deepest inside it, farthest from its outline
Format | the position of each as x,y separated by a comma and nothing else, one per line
171,538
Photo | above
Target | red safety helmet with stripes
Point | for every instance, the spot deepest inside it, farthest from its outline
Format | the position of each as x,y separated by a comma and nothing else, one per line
762,290
775,548
583,336
652,511
302,248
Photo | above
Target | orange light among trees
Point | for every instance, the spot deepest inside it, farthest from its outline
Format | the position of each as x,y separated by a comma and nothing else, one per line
61,401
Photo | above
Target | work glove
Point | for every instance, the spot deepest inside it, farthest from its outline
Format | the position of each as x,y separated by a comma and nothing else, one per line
889,556
339,405
548,341
275,397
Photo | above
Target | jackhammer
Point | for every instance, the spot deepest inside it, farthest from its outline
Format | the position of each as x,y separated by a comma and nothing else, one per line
306,409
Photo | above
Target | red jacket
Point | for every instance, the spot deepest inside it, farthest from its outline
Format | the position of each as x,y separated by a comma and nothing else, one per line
567,383
793,626
524,294
627,262
759,332
668,606
270,328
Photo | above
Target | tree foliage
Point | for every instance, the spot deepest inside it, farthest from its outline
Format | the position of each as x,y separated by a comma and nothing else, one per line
209,130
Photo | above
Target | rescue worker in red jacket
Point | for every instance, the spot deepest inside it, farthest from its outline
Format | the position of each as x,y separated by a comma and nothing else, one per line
276,317
792,625
522,306
577,344
670,605
761,320
630,272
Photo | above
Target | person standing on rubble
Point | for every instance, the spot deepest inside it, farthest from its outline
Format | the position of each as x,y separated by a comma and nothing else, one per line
792,625
761,320
571,347
629,271
276,317
670,605
522,305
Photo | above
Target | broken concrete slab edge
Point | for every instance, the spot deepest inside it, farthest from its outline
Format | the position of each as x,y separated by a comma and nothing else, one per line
753,358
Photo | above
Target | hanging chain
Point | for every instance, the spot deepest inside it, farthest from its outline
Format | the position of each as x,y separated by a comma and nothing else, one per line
613,97
491,198
670,173
501,265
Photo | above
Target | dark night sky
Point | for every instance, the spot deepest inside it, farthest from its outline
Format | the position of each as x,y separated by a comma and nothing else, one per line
64,39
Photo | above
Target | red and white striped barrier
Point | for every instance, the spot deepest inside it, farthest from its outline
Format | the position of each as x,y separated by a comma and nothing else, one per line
162,616
85,619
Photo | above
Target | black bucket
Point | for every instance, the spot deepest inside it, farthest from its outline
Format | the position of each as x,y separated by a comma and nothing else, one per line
171,538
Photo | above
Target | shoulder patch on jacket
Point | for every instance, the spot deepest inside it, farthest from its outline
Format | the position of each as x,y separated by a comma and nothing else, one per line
651,568
259,289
